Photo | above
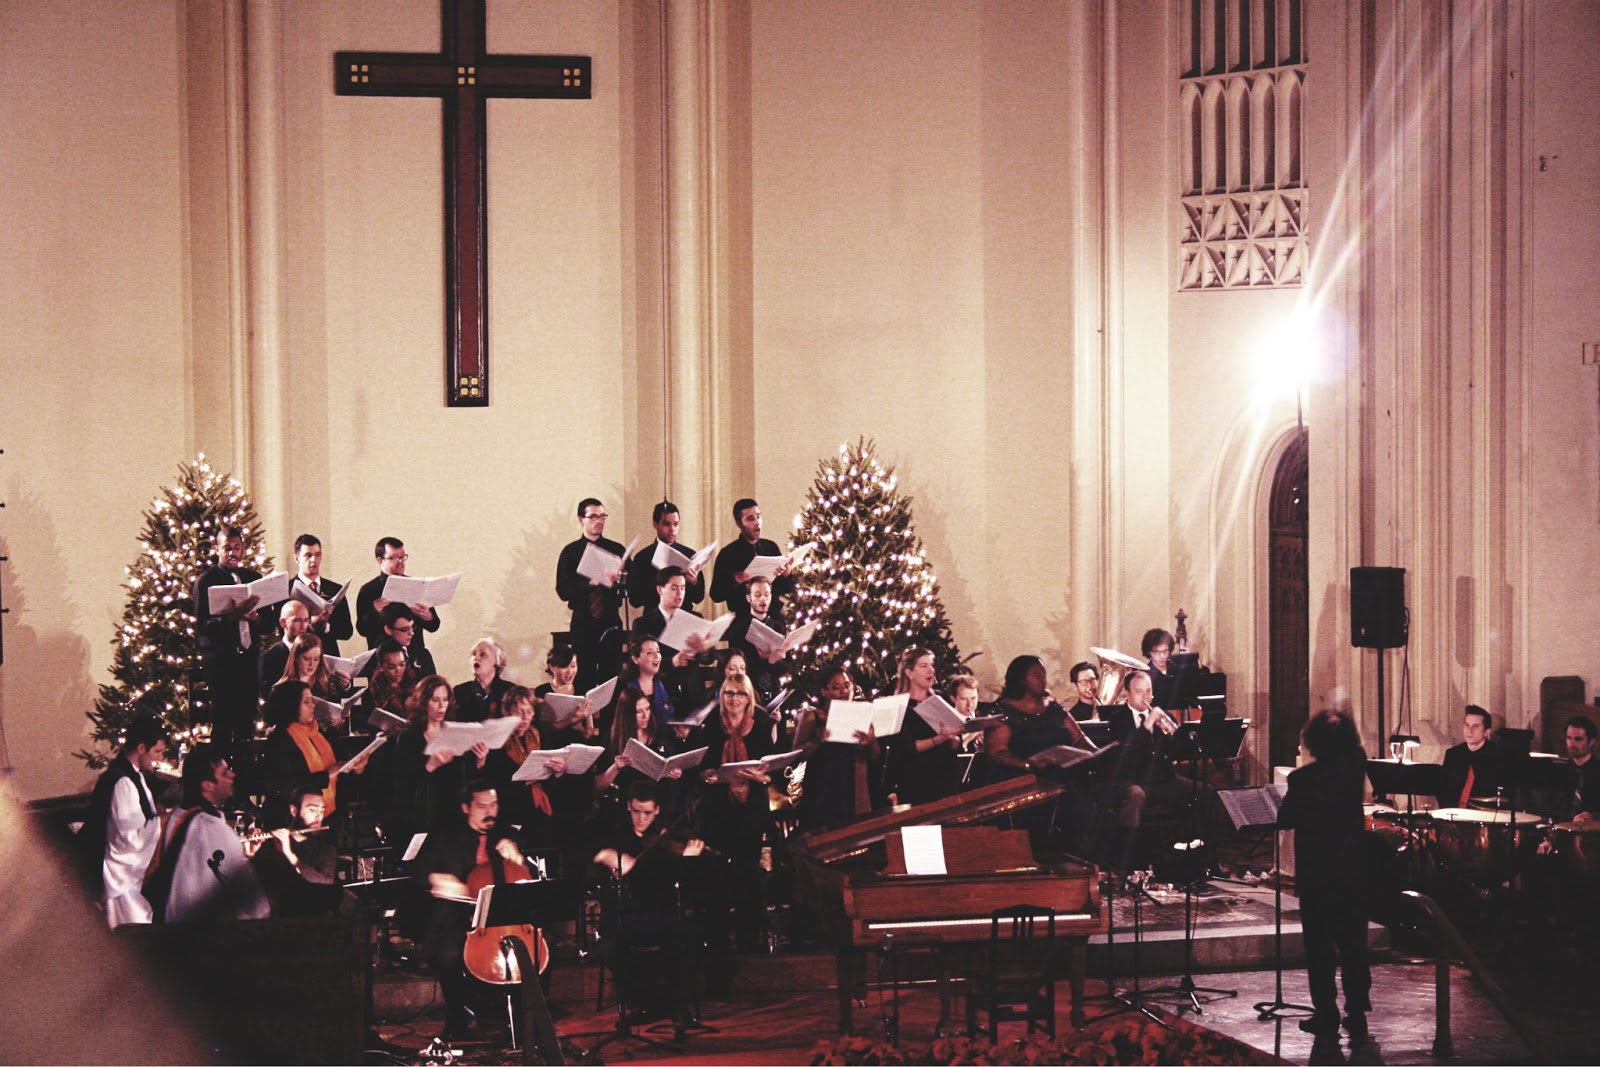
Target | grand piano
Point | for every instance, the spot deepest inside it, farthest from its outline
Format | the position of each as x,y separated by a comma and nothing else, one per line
854,877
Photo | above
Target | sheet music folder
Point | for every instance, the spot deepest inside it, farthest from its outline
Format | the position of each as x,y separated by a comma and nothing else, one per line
514,903
1210,738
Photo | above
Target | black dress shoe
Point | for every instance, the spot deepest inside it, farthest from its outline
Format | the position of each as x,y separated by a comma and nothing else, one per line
1321,1025
1355,1024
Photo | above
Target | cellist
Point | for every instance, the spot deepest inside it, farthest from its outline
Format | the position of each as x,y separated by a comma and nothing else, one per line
441,869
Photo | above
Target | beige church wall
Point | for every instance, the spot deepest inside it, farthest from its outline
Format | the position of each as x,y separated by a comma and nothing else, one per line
1144,402
1229,430
491,492
95,374
1560,411
910,252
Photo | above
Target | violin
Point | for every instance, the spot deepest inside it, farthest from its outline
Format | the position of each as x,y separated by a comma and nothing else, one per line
486,960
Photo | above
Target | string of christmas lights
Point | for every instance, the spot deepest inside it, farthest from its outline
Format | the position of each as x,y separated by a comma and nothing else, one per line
868,584
155,660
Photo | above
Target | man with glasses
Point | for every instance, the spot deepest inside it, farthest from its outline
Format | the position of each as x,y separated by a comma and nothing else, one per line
1086,686
370,602
596,608
401,628
202,870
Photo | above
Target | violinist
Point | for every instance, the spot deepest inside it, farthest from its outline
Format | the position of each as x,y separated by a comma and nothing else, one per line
642,862
447,859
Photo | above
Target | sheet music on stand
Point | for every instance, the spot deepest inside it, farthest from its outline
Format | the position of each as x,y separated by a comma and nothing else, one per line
1255,808
924,849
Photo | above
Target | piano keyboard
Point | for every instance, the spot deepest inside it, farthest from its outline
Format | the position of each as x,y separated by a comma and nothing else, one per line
887,927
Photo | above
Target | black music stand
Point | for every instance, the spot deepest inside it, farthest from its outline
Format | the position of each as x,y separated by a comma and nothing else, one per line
513,904
1257,809
624,1029
1392,778
1201,741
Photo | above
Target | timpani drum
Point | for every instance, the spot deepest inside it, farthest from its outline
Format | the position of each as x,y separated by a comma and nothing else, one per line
1483,846
1578,845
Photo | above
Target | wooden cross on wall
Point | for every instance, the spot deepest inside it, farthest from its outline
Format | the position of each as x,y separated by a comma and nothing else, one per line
464,76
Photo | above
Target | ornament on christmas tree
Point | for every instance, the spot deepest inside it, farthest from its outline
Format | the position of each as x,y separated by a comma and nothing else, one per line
156,664
868,584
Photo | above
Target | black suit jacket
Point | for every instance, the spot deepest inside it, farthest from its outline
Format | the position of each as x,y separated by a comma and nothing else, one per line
1137,761
1323,807
272,663
642,578
1489,772
220,633
338,627
369,620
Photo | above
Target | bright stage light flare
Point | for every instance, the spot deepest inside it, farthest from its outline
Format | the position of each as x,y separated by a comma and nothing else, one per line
1288,357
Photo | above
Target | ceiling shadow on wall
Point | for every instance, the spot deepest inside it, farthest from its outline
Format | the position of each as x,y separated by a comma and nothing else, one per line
529,610
1327,641
931,525
45,687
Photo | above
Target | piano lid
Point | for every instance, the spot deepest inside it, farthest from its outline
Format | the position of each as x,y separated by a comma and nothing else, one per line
972,806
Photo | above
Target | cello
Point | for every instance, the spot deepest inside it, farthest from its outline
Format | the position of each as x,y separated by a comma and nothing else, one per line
484,955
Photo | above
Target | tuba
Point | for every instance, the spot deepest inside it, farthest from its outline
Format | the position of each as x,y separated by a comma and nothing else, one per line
1114,670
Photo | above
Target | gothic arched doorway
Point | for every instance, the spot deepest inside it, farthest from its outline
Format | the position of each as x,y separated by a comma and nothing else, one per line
1289,618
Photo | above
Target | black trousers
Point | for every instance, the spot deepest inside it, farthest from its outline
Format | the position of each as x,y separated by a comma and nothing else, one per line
1335,930
230,678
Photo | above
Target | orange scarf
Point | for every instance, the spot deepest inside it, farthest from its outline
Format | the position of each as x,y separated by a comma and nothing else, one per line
318,755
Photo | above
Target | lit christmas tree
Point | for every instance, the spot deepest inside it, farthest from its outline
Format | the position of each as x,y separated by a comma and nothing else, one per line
867,584
156,665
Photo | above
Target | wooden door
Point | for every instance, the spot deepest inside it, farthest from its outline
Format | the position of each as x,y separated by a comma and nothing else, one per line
1289,612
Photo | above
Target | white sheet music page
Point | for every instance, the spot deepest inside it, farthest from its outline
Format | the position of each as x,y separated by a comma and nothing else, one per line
924,849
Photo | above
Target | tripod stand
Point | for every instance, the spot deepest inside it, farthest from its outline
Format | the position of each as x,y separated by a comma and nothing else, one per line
1277,1007
625,1027
1186,989
1189,861
1131,999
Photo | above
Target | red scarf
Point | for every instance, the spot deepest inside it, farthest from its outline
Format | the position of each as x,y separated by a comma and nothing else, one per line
734,751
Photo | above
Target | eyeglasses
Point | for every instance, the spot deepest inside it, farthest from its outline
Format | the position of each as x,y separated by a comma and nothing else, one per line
596,515
402,628
737,694
398,556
